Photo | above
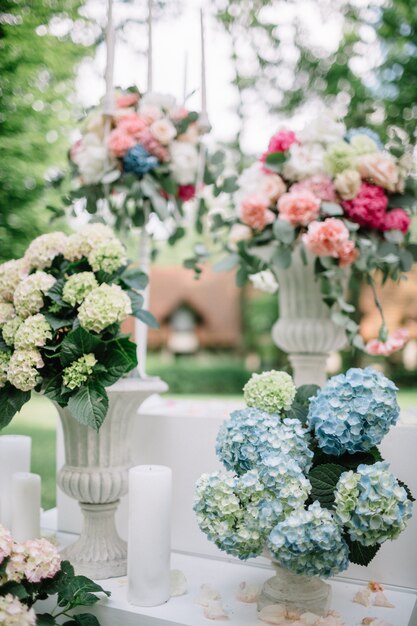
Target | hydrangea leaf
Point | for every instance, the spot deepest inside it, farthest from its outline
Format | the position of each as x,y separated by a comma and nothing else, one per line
135,279
147,318
77,343
89,404
359,554
324,479
11,401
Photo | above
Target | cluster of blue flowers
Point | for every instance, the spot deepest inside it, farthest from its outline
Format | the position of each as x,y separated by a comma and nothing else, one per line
371,504
138,160
363,130
309,542
251,435
354,411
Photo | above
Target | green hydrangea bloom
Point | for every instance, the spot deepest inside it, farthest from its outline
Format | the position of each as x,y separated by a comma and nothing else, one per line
4,366
23,369
33,333
362,144
28,297
11,273
9,330
104,306
43,250
339,157
270,391
78,372
7,312
78,287
108,256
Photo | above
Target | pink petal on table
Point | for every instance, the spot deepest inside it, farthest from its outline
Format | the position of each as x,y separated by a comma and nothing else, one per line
207,594
247,593
381,599
273,614
215,611
363,597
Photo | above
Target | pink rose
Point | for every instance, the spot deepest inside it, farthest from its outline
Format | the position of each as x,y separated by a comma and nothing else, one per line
380,169
321,185
132,124
368,207
272,186
127,100
299,208
186,192
397,219
153,146
348,253
330,238
394,342
254,212
120,142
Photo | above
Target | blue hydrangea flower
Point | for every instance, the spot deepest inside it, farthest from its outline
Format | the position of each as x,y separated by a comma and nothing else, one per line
354,411
363,130
139,161
283,477
251,435
309,542
371,504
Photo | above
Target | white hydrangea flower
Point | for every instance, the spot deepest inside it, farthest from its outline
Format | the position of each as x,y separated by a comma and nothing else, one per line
184,162
304,161
28,297
7,312
11,273
42,560
264,281
92,159
80,244
43,250
108,256
6,541
22,371
104,306
34,332
4,366
9,330
78,286
15,613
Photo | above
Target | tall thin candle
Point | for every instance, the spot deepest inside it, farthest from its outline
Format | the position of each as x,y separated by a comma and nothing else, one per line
26,506
15,452
185,85
110,48
150,68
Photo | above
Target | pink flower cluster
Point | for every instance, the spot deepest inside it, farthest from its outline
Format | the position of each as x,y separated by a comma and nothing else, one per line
254,211
320,185
6,544
393,343
299,208
331,238
33,560
369,209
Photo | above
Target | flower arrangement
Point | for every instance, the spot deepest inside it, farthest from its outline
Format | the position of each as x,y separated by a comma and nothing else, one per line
338,197
142,158
61,308
307,482
33,571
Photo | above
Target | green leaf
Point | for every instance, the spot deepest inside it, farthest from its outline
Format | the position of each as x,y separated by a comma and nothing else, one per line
227,263
275,160
331,208
55,292
283,231
298,412
408,490
230,185
120,359
52,387
57,322
305,392
11,401
86,619
359,554
135,279
147,318
324,479
89,404
77,343
412,248
136,300
406,260
281,259
45,619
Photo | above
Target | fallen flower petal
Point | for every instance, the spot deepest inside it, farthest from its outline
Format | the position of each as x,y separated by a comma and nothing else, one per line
207,595
178,583
247,593
374,586
215,611
273,614
382,600
363,597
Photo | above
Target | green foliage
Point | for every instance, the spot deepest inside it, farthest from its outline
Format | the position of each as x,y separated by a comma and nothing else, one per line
324,479
359,554
36,69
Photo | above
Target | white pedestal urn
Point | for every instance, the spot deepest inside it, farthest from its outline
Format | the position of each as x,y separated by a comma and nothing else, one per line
96,474
305,329
299,593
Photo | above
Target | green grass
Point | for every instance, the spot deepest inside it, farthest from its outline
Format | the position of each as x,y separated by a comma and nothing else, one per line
38,419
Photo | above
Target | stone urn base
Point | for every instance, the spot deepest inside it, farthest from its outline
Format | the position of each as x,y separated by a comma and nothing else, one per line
299,593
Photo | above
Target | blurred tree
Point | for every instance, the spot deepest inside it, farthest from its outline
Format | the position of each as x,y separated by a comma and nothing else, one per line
40,44
361,56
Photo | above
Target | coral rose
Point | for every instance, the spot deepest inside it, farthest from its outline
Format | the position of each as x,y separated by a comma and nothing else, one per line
132,124
120,142
153,146
347,184
397,219
380,169
368,207
394,342
299,208
127,100
348,253
254,212
320,185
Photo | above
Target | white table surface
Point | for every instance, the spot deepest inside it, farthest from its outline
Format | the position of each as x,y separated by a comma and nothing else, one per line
225,576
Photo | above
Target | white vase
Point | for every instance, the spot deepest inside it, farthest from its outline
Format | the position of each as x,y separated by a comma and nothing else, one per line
96,474
299,593
305,329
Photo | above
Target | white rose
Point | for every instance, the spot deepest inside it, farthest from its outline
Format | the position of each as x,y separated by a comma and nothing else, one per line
92,159
264,281
163,130
304,161
239,232
324,128
273,187
347,184
162,101
184,162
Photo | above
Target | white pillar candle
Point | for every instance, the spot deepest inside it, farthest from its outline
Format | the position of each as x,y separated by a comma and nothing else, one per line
203,66
15,453
110,52
26,506
149,535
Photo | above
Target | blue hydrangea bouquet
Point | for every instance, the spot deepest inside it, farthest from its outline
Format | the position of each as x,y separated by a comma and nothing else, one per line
61,310
305,478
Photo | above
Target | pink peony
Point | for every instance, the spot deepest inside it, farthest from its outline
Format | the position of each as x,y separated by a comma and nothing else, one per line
186,192
330,238
397,219
153,146
272,186
132,124
127,100
321,185
348,253
281,141
299,208
394,342
6,543
42,560
120,142
368,207
254,212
